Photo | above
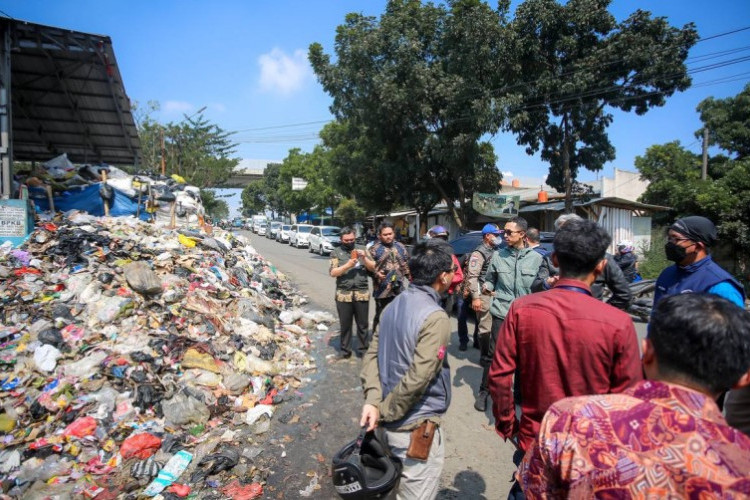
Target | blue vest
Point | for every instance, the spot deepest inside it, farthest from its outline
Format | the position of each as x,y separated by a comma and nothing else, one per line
695,278
399,327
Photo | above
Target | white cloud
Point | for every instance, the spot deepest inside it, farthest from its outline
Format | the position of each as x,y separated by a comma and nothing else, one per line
282,73
507,173
177,107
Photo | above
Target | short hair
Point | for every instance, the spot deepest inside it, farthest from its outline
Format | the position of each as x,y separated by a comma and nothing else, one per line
703,338
384,225
532,234
564,219
347,230
428,259
520,222
580,245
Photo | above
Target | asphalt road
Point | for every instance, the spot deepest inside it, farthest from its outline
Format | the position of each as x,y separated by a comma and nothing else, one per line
478,464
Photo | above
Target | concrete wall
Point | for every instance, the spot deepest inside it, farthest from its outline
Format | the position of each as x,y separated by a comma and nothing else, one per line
625,184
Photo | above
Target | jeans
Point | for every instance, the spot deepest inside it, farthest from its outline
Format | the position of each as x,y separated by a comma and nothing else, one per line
357,310
464,313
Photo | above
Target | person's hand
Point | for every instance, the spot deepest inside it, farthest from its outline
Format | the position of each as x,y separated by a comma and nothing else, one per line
370,417
476,304
380,275
552,280
352,262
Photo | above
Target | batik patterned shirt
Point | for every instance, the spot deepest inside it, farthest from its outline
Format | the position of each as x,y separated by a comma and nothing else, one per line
655,440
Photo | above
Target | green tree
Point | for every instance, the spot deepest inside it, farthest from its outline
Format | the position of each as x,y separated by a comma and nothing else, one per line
575,62
215,208
728,122
412,97
271,188
254,197
349,212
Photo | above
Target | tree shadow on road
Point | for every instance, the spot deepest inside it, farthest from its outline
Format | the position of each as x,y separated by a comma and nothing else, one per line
466,484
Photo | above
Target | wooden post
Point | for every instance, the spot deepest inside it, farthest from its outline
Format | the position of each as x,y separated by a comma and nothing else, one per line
106,203
163,160
172,215
50,199
138,208
704,166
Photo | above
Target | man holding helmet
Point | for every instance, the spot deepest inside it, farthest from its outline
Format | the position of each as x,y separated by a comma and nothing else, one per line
405,373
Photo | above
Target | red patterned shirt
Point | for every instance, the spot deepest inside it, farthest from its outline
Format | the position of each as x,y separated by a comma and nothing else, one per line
655,440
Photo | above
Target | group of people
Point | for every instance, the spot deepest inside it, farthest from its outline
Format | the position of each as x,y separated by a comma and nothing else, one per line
598,415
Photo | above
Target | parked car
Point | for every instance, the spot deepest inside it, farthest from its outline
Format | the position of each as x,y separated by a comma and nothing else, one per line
283,234
299,234
273,228
262,228
323,239
467,242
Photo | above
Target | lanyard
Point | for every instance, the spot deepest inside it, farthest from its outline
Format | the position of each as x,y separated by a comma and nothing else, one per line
574,289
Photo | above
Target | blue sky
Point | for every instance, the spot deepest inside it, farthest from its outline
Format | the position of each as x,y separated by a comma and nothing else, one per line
246,61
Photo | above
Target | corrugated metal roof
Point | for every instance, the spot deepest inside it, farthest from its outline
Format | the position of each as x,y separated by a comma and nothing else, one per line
68,97
557,206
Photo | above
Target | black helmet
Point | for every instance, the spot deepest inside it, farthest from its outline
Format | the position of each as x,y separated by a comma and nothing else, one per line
365,468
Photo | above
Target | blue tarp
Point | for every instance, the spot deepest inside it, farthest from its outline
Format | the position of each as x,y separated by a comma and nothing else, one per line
88,200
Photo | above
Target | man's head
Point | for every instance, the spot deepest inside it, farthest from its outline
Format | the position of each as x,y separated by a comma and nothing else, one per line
386,233
490,234
689,239
348,236
564,219
533,236
701,341
515,232
438,232
580,246
431,264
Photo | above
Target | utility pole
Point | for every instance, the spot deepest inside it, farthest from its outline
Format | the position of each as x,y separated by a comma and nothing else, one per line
163,160
704,166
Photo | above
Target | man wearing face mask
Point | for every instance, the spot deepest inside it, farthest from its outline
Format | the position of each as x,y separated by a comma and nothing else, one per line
694,270
352,292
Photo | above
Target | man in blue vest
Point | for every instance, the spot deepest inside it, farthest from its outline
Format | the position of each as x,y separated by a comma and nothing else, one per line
405,373
695,271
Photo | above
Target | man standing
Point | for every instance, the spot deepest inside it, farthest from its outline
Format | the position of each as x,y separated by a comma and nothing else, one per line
509,276
533,238
405,374
563,342
664,437
476,268
352,292
387,260
612,276
694,271
441,234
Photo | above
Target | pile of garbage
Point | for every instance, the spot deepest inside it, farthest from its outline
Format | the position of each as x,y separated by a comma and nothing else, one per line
139,361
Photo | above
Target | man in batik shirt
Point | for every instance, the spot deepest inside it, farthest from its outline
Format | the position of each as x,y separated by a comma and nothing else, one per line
664,437
388,261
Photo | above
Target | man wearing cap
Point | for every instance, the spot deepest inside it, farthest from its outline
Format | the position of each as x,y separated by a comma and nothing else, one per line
476,268
694,271
441,234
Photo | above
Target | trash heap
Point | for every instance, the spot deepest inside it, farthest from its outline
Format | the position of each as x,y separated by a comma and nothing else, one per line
137,361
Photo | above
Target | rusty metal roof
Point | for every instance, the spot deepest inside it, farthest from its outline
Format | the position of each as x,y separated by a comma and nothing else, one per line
68,97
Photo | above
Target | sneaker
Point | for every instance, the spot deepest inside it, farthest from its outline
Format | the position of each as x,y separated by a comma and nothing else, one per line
463,346
480,403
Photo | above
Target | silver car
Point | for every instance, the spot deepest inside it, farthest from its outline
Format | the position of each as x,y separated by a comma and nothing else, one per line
284,232
323,239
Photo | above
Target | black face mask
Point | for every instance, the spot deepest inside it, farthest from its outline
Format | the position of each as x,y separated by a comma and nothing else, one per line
675,252
347,246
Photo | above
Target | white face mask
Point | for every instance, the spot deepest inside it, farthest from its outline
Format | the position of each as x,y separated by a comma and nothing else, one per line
496,241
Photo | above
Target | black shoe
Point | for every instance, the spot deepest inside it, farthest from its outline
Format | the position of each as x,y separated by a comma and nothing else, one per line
475,345
463,346
480,403
343,356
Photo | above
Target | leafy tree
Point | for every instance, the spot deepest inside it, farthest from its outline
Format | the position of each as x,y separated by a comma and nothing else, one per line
728,122
271,188
349,212
412,97
254,197
217,209
575,61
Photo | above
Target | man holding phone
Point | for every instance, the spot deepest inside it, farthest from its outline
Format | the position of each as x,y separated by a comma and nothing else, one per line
352,292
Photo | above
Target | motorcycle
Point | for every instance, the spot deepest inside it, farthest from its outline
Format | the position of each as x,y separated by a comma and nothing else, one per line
643,298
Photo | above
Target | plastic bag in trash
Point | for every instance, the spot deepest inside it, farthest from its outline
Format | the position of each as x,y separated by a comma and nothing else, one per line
146,469
141,446
142,279
182,409
46,357
215,463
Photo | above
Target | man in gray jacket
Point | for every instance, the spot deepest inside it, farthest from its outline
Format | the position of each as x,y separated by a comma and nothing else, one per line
612,276
405,373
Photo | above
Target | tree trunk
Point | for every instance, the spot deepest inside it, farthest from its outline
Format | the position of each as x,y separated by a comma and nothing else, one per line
456,213
566,166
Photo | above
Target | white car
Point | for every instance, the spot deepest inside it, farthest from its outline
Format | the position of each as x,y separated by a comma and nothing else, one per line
262,228
299,235
272,229
284,232
323,239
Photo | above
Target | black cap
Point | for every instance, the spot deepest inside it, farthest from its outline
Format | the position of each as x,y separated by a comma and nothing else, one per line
696,228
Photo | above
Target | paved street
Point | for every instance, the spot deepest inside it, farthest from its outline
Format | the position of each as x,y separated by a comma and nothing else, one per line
478,463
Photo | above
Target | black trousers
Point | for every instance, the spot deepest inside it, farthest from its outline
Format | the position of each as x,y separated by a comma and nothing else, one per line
379,306
487,351
358,311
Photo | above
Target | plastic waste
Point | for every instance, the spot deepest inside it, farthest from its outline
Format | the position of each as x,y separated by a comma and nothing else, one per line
142,279
181,490
237,491
195,359
183,409
46,357
146,469
82,427
140,446
215,463
311,488
170,473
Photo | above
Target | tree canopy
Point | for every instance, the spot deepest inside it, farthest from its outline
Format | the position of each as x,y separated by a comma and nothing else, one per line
728,122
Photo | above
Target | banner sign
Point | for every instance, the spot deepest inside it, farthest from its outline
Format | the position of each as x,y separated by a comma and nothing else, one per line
298,184
496,205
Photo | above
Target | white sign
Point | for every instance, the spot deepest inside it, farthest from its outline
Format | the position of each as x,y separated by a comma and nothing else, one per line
12,221
298,184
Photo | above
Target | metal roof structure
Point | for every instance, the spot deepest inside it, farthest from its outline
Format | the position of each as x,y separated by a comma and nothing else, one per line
558,206
67,96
